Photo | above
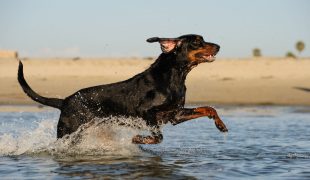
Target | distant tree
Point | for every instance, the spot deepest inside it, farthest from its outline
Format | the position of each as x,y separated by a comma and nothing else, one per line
257,52
290,55
300,46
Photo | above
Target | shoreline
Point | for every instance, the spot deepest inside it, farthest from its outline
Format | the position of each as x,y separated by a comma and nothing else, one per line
252,81
20,108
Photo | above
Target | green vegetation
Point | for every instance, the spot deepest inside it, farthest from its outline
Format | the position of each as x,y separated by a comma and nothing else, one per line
300,46
257,52
290,55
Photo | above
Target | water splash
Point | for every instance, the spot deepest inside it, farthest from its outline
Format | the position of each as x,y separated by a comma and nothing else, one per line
101,137
28,141
106,136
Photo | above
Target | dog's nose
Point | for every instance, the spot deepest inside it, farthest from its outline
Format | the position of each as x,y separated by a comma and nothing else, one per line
217,47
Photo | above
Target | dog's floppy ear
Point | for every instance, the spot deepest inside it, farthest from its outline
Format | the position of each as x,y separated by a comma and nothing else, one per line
167,45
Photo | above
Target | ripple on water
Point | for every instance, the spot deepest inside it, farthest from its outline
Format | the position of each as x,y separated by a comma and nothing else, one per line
263,142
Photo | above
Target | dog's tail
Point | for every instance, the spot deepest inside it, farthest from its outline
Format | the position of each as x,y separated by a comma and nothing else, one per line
53,102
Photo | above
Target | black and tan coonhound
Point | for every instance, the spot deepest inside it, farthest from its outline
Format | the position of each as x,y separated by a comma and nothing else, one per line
156,95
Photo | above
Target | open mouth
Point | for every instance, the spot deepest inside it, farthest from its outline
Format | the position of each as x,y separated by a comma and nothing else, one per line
207,58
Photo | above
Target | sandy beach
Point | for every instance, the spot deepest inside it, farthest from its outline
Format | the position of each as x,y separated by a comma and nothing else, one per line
256,81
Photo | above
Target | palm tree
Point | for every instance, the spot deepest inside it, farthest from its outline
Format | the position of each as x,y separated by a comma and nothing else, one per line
300,46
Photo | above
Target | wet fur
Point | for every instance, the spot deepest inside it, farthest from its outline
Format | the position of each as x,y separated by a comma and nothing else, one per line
156,95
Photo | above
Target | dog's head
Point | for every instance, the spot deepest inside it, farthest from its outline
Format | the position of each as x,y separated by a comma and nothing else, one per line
191,48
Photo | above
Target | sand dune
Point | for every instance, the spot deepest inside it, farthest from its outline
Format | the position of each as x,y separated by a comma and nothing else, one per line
225,81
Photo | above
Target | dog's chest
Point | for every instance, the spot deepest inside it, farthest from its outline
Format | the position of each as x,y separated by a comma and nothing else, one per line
169,98
172,98
177,95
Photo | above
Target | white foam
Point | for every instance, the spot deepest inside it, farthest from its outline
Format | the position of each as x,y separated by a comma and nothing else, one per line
28,141
98,137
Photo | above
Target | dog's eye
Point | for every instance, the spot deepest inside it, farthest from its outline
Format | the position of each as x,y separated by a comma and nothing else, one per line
196,44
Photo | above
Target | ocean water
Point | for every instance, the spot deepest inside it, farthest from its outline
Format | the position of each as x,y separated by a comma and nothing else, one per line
263,142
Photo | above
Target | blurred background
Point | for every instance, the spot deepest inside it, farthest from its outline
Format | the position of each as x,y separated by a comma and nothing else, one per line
77,28
264,56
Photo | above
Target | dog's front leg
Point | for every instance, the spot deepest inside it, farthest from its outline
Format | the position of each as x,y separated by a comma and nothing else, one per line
186,114
155,138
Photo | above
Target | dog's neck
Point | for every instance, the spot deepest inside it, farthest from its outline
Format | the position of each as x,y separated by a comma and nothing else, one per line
169,68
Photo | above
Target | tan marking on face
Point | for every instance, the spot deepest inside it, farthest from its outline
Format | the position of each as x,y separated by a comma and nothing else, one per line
205,50
192,54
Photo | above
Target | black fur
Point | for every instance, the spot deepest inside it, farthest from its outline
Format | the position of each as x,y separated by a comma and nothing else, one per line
53,102
159,89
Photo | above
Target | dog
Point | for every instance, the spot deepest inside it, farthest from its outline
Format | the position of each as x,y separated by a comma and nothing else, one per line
156,95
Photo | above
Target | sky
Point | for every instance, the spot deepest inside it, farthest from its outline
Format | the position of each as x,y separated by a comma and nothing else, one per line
119,28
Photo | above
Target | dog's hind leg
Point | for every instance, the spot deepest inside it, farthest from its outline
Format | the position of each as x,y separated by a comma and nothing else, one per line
186,114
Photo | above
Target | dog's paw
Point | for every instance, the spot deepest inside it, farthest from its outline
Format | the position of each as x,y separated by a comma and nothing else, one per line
138,139
220,125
